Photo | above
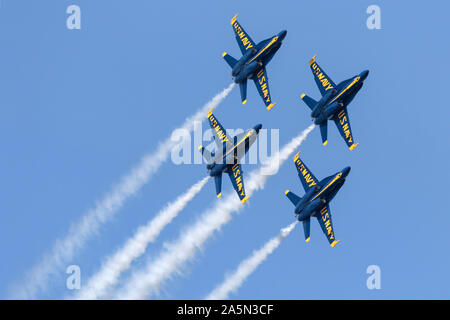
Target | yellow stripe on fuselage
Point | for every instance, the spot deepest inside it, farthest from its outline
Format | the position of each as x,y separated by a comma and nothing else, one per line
265,48
243,139
328,185
348,87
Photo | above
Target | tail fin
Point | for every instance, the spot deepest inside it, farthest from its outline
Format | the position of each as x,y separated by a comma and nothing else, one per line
218,182
243,87
293,197
229,59
209,157
324,132
309,101
307,228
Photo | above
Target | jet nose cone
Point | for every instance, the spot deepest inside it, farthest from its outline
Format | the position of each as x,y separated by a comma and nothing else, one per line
282,34
346,171
364,75
257,128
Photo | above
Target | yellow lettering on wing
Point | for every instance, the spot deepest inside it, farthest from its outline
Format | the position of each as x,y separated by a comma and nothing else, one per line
215,125
262,80
304,172
321,77
343,120
243,37
326,218
238,179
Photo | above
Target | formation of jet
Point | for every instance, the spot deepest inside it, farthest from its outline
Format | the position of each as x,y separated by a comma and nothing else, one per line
315,202
332,106
334,102
226,157
252,64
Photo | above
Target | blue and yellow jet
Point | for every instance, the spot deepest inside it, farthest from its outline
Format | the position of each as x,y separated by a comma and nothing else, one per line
227,155
253,63
318,195
334,102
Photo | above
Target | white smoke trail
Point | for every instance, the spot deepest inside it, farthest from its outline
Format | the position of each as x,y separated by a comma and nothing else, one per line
64,249
170,261
246,267
99,284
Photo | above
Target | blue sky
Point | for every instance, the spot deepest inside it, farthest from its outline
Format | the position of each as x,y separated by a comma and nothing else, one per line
79,108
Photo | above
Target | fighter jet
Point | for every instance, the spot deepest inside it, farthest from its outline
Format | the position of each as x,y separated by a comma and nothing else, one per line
227,155
315,202
334,102
252,64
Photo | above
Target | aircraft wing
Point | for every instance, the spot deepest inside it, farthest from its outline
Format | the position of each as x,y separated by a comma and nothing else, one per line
243,39
220,134
238,182
343,124
323,81
262,84
324,218
306,177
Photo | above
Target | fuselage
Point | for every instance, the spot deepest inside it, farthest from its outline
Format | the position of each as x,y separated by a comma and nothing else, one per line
319,195
257,57
225,159
336,99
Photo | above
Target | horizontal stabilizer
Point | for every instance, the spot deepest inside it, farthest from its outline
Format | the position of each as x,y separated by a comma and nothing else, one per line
218,182
243,88
229,59
293,197
306,229
310,102
324,132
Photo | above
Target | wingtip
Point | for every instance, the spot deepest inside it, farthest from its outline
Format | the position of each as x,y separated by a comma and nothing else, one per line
244,200
325,142
200,147
302,96
334,243
219,195
287,191
296,156
224,54
244,102
312,60
307,239
210,112
270,106
353,146
233,19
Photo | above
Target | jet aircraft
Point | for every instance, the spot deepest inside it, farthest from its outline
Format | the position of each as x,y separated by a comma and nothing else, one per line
334,102
252,64
228,153
315,202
